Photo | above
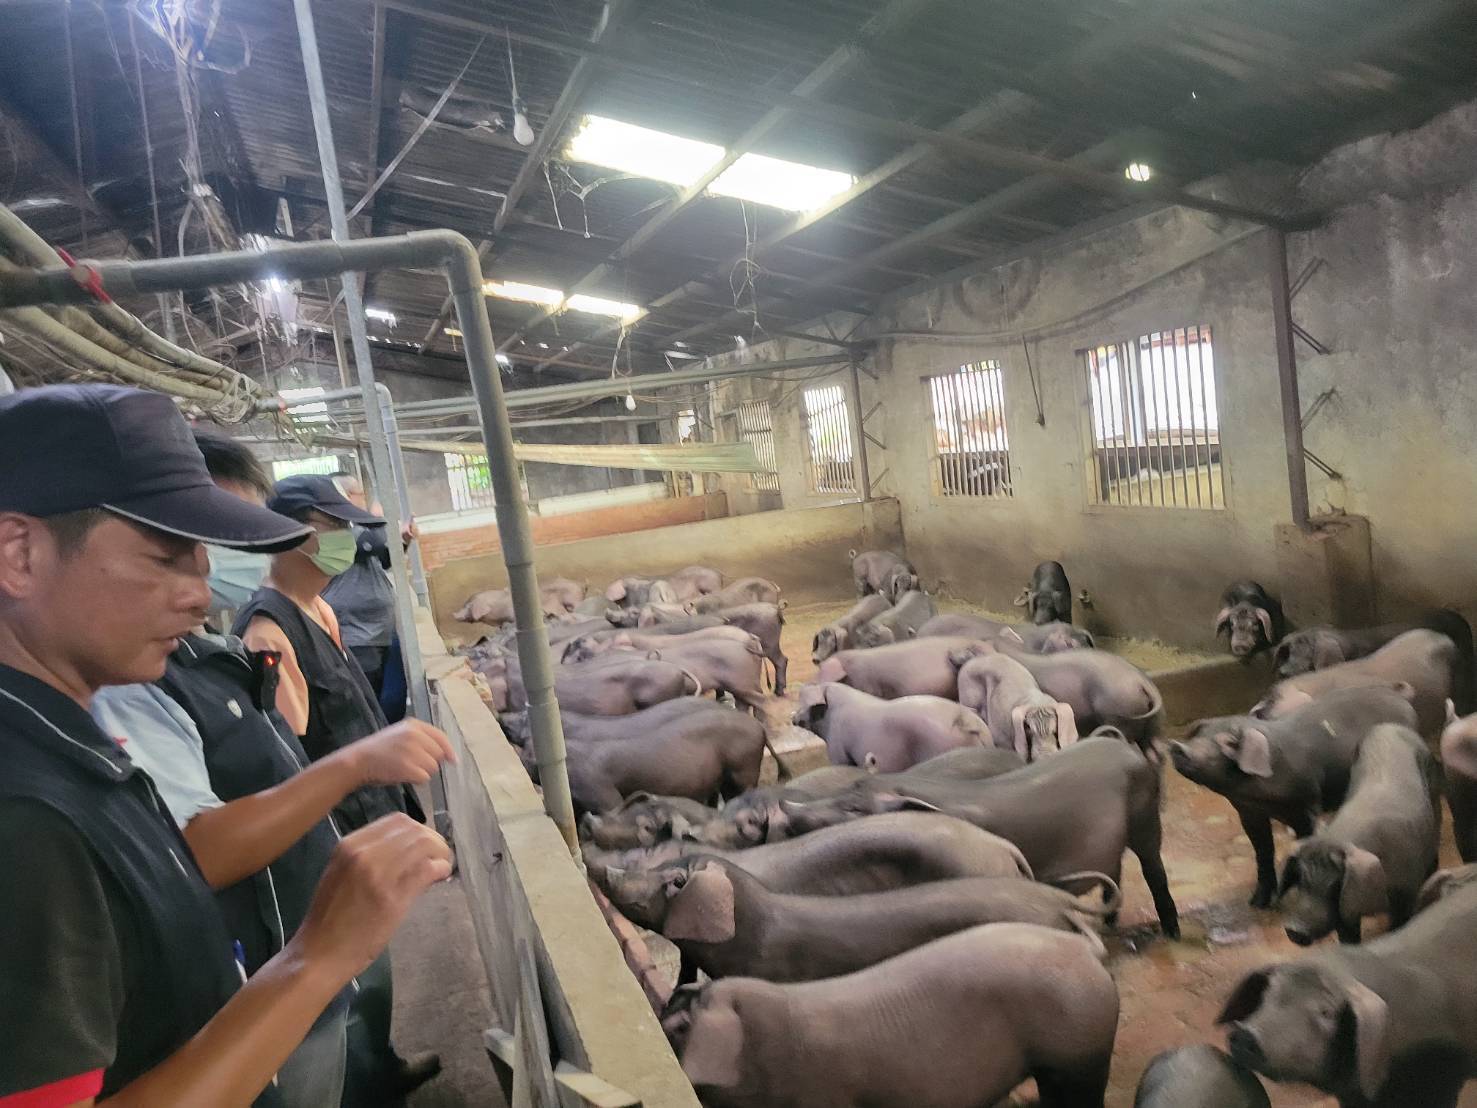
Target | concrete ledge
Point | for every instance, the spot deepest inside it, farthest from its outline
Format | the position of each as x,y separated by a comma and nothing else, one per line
522,885
1222,687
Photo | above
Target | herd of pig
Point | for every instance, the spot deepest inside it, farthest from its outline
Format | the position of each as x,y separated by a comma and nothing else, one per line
918,922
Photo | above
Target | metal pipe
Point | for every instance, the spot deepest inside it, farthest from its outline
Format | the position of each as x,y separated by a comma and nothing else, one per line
402,491
858,438
311,260
1287,379
379,445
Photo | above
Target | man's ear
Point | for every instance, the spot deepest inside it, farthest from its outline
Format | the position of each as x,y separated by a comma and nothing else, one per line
19,537
715,1046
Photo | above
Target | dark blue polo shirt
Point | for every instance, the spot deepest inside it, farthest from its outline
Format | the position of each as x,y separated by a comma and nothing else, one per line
112,952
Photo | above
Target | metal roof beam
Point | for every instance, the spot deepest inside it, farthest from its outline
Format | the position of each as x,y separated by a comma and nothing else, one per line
892,16
575,86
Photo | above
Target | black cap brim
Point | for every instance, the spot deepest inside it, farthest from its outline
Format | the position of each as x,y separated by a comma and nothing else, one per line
208,514
350,512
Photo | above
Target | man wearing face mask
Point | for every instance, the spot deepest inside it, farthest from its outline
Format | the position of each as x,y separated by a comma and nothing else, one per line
322,692
240,787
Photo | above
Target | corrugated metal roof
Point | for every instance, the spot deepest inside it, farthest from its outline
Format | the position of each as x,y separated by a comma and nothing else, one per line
1196,87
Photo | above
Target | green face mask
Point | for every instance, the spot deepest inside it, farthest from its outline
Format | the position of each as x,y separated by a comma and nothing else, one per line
335,551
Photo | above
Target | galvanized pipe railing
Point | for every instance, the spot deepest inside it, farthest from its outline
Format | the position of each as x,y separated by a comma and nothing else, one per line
457,258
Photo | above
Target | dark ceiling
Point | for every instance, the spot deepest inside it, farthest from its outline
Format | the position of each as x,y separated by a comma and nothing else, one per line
975,128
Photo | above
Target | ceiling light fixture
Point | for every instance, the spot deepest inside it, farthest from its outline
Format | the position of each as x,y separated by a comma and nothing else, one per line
597,305
1138,171
528,294
661,156
383,316
642,151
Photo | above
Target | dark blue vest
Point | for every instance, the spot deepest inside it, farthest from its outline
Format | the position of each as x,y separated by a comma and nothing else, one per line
230,694
51,751
341,706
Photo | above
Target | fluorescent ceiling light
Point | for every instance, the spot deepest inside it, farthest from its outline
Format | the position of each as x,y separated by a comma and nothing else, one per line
792,186
595,305
660,156
642,151
529,294
1138,171
382,315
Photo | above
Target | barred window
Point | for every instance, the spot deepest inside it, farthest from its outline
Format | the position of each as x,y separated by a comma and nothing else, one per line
1155,425
756,428
470,480
971,455
828,440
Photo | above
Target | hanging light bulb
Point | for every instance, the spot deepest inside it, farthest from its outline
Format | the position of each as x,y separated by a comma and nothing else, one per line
630,403
522,129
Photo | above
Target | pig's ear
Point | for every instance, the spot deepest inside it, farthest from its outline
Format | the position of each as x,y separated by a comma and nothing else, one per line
1279,655
1018,732
1327,652
1451,716
653,655
638,797
1292,874
702,909
1405,689
616,593
811,696
1369,1035
715,1047
678,826
1246,998
1222,620
1433,890
1266,621
1023,599
1066,725
1254,757
1365,890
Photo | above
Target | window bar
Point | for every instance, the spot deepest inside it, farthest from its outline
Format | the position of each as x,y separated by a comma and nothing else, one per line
1146,447
995,478
949,453
1181,365
1158,373
1149,403
986,422
1100,432
1134,487
1202,430
968,404
1162,386
961,433
1003,482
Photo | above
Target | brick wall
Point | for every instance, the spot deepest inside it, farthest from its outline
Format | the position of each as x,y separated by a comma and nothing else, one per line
449,546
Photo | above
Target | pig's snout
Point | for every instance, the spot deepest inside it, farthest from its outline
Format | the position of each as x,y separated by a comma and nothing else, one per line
1245,1048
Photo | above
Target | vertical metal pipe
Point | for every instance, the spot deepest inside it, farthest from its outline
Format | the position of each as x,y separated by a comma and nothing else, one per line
402,491
1287,379
516,534
379,448
863,474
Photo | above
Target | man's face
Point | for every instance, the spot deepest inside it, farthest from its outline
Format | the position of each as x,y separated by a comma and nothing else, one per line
113,609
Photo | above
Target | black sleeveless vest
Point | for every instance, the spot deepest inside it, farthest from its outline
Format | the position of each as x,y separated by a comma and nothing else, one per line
341,706
53,752
230,693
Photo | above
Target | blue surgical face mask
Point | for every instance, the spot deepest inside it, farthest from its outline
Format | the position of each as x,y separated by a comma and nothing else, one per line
234,576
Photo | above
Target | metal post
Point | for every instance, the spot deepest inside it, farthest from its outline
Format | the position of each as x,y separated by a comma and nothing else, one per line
859,438
464,272
1287,377
402,490
379,447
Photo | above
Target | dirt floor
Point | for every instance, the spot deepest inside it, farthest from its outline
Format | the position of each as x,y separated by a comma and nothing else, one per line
1170,992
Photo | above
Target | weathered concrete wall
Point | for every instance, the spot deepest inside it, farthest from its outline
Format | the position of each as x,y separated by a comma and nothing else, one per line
1392,299
804,551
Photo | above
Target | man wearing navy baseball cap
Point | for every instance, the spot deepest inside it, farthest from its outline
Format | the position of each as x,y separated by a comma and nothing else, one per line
119,977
